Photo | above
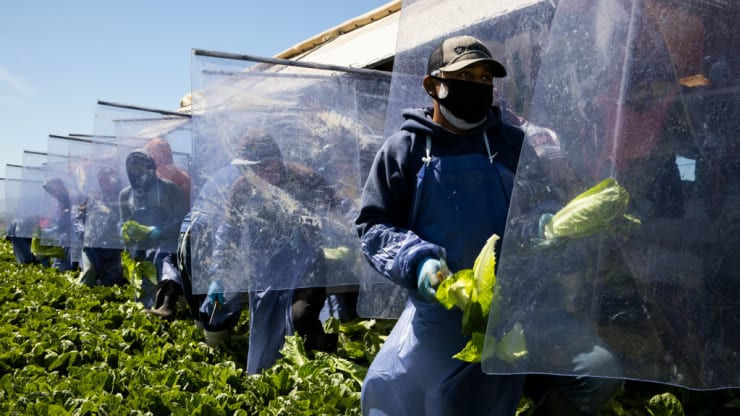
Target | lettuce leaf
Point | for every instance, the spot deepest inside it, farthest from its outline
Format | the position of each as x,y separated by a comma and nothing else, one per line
591,211
138,270
133,231
41,250
472,291
665,404
473,349
512,345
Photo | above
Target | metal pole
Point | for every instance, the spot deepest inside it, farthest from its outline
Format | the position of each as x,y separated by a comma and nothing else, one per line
288,62
74,139
151,110
92,136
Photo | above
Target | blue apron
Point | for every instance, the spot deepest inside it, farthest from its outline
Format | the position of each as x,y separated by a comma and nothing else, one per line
270,320
460,201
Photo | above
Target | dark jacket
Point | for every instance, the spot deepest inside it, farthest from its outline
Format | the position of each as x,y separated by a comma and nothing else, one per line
383,221
165,208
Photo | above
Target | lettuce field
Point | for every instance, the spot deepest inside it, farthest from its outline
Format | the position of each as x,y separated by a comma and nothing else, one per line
70,349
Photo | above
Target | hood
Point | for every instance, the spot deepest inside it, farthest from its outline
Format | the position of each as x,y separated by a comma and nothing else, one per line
140,168
142,156
419,121
161,151
55,187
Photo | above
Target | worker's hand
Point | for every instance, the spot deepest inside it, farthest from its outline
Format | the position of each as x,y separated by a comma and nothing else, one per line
543,239
216,292
598,359
336,253
154,232
132,231
430,273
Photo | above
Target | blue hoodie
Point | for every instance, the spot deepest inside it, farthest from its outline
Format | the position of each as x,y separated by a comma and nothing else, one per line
383,222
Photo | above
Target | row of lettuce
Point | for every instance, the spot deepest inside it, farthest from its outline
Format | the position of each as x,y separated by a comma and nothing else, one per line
70,349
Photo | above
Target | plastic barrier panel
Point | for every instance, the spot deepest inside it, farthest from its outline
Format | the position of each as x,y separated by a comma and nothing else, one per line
142,182
34,209
620,255
513,30
278,162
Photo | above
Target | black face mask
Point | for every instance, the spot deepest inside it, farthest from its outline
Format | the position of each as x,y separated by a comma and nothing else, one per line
467,100
142,181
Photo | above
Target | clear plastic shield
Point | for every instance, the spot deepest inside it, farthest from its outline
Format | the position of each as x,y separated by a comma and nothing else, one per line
513,30
278,158
12,193
34,209
13,171
13,175
122,190
66,166
638,277
5,217
104,183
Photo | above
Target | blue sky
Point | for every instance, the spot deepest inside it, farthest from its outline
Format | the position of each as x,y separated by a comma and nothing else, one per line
58,58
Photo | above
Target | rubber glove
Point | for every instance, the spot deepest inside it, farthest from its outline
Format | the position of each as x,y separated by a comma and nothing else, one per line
132,231
216,292
154,232
541,240
427,279
598,360
336,253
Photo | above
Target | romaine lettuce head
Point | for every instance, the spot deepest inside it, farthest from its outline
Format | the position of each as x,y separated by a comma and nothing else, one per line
471,290
590,211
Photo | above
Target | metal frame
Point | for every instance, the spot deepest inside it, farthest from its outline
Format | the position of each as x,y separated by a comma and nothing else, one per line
287,62
91,136
151,110
75,139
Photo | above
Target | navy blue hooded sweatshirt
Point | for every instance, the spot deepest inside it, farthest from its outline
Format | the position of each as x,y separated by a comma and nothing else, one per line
383,221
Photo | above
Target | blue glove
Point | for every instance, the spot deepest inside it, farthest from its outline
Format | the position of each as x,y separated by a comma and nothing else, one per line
541,241
216,292
154,232
544,220
426,278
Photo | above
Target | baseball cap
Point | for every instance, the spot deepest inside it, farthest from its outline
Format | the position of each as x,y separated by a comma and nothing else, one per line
458,52
256,147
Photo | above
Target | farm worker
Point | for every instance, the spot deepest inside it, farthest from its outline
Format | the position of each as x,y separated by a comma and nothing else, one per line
63,226
196,234
256,213
21,246
161,152
99,263
151,210
437,190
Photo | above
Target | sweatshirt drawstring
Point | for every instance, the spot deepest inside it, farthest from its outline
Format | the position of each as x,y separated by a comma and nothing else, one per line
428,148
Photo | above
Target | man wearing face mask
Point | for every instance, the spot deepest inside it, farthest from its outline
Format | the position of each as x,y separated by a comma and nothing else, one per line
257,211
437,190
63,222
151,212
99,264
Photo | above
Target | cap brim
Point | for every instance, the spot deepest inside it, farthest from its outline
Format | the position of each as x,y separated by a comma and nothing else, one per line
244,162
497,70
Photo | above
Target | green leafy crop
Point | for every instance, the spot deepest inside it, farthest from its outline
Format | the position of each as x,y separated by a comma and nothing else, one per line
471,290
132,231
590,212
70,349
138,270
